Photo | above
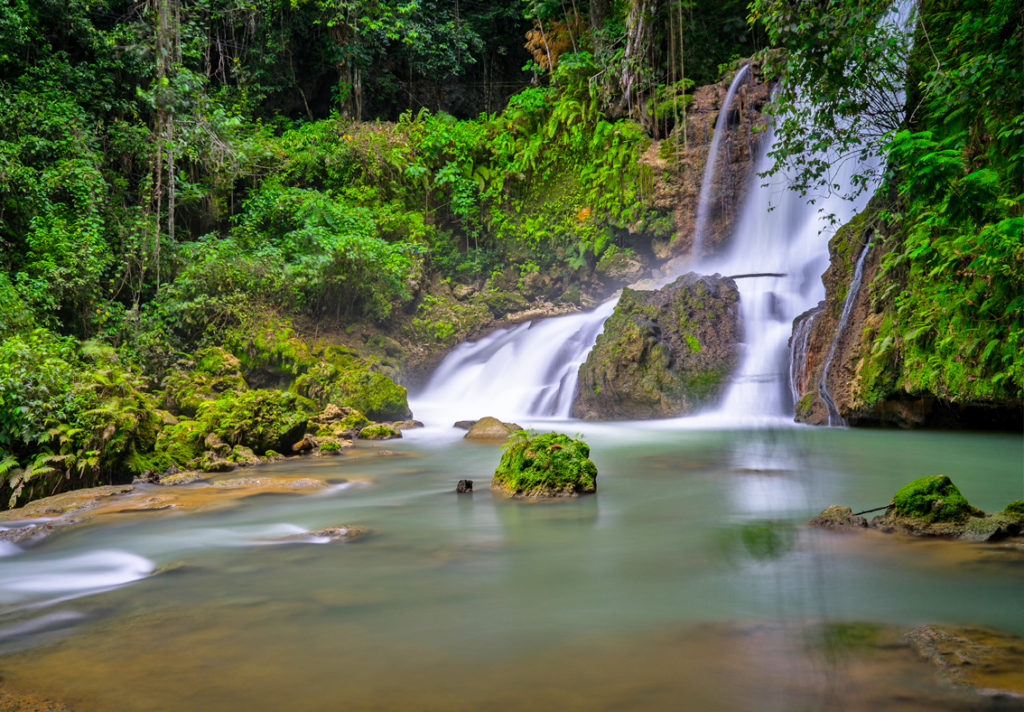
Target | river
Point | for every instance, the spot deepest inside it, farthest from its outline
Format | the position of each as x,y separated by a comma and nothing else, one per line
688,581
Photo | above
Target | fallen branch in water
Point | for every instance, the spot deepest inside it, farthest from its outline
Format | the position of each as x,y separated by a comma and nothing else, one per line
876,509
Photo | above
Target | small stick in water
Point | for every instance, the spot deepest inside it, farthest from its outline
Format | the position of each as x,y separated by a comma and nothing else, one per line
756,274
876,509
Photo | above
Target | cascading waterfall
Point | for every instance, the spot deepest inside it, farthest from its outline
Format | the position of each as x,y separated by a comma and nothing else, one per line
834,418
527,370
707,180
777,232
531,370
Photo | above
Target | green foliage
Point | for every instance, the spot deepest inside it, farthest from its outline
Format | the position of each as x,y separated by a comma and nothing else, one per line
258,419
545,464
932,499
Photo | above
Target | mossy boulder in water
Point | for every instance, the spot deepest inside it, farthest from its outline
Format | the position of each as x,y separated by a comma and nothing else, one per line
663,353
931,499
546,465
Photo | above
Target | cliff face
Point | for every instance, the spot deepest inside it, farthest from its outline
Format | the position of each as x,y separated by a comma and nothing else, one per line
866,379
678,162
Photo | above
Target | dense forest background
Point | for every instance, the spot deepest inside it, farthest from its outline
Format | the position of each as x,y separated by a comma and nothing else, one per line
176,175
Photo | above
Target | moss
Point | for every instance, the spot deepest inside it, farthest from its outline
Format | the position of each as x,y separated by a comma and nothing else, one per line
258,419
182,442
805,403
1015,511
330,446
549,464
345,380
381,431
932,499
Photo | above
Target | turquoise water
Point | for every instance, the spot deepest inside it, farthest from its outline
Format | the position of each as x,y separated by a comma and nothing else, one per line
689,576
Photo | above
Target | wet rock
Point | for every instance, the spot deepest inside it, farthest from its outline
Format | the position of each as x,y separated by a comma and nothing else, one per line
464,424
328,535
491,429
182,478
214,444
243,456
407,424
662,353
211,462
619,266
333,446
464,487
304,445
838,518
546,465
25,534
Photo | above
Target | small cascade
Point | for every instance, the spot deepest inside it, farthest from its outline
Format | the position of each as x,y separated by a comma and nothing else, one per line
707,181
526,370
798,350
851,296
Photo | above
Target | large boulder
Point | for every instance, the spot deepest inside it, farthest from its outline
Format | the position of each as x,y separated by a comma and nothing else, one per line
663,353
546,465
489,428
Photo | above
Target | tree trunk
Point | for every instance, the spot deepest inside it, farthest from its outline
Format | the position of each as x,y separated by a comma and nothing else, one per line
638,38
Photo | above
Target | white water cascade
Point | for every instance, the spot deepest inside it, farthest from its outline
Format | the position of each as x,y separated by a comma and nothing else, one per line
707,181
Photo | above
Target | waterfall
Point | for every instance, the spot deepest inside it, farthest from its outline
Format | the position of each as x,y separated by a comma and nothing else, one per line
798,350
851,296
526,370
778,231
707,180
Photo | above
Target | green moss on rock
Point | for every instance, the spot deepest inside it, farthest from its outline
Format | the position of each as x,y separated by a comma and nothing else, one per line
260,419
932,499
380,431
546,465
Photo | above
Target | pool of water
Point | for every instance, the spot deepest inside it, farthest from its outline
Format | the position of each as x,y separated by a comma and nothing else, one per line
688,581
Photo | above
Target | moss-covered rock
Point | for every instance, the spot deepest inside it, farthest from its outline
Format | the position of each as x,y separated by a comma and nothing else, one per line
663,353
1014,511
380,431
208,375
932,499
933,506
348,382
546,465
258,419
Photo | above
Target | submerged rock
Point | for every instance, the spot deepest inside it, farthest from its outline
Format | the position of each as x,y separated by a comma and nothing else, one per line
663,353
987,661
491,429
326,535
546,465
